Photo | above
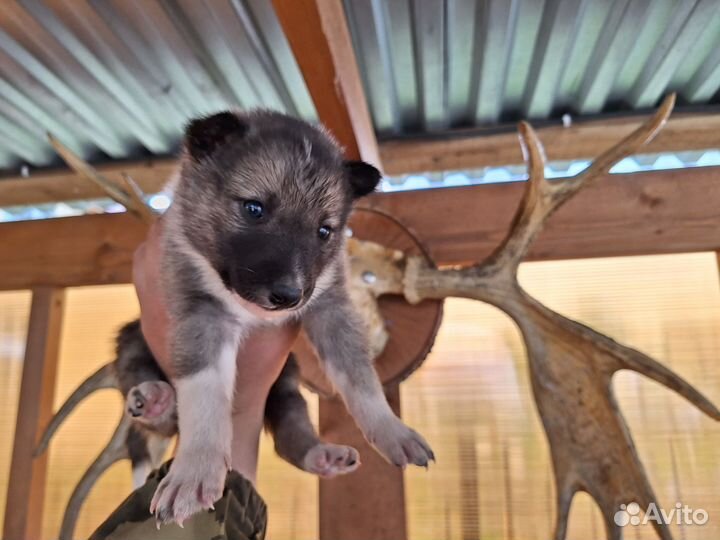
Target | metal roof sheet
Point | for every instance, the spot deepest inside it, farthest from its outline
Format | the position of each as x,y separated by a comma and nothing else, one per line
120,78
431,65
117,79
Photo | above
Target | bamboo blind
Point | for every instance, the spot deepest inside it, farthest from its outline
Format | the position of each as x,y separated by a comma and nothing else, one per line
471,399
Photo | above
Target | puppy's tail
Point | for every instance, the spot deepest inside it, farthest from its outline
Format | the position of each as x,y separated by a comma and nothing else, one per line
105,377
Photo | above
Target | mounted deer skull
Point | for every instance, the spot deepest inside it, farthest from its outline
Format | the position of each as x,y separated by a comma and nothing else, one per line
571,365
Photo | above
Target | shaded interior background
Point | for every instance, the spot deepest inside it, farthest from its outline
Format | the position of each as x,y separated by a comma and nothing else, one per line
471,399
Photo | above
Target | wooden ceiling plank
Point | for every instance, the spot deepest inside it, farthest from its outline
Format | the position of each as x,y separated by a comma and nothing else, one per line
66,185
583,139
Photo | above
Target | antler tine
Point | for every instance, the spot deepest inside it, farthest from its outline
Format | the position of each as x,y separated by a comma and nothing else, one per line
626,147
114,451
135,195
132,199
532,211
543,198
533,153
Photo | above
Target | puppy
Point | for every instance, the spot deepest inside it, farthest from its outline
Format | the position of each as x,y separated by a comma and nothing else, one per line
255,237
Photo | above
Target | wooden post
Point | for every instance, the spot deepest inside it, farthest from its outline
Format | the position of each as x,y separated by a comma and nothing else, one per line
369,503
318,33
26,487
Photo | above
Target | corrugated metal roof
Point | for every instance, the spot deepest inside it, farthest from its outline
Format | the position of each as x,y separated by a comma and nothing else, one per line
432,65
121,77
117,79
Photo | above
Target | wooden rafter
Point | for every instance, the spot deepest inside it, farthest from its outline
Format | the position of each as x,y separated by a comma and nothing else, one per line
318,34
641,213
583,139
48,187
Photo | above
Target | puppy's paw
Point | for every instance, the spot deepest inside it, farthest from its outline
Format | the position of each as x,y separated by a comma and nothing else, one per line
328,460
399,444
194,483
150,400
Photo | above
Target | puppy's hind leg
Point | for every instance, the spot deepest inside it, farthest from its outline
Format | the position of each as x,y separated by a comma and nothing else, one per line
153,404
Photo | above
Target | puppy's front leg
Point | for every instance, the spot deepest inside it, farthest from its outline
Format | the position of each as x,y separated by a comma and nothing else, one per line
340,339
204,355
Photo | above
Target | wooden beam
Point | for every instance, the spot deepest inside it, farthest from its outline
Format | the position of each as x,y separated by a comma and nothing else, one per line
90,250
584,139
631,214
318,34
620,214
26,486
65,185
317,30
370,503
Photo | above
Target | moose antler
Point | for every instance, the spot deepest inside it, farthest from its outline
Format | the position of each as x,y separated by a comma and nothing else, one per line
129,195
571,365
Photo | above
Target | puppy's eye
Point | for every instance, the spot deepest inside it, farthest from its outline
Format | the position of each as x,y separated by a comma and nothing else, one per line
254,209
324,232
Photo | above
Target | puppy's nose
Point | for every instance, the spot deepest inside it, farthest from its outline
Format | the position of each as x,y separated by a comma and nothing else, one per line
285,296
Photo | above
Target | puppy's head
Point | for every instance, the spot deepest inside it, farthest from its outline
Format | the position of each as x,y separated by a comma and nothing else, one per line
265,197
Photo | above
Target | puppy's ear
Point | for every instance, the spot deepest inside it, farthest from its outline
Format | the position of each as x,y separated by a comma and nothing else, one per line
363,177
205,135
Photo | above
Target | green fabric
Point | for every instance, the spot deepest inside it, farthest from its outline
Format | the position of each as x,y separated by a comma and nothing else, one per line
241,514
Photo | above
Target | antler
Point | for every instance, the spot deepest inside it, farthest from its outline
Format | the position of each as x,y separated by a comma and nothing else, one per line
114,451
132,199
105,377
571,365
542,197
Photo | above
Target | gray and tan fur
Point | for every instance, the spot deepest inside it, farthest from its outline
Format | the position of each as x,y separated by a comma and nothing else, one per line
254,237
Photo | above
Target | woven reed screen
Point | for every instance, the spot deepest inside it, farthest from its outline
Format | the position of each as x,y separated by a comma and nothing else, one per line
471,399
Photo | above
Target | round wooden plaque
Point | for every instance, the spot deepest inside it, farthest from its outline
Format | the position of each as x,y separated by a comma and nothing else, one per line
411,328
